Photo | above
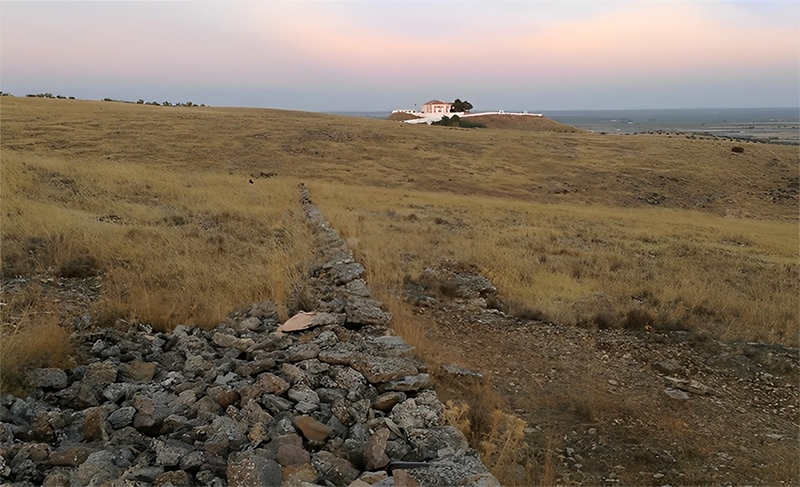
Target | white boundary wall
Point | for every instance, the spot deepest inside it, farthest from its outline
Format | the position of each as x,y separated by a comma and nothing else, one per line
426,118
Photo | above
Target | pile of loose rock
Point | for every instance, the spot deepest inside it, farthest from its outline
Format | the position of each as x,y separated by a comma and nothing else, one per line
341,403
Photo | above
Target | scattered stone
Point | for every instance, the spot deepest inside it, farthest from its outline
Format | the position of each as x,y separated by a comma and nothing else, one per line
667,366
382,369
173,478
47,378
100,374
375,450
229,341
292,455
305,320
344,273
409,383
336,470
461,372
676,394
138,371
300,475
251,468
95,426
229,406
386,401
312,429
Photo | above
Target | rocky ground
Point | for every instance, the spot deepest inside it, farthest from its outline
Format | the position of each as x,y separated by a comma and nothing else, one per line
329,397
621,406
346,400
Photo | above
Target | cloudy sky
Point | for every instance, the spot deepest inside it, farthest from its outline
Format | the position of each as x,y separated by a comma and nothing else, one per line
381,55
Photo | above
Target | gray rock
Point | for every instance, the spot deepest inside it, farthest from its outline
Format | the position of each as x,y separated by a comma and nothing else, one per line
229,341
304,407
120,390
276,404
313,367
302,351
348,378
346,272
47,378
142,473
394,346
193,461
169,452
121,417
338,471
667,366
252,468
365,311
382,369
98,469
676,394
409,383
302,393
411,414
358,287
100,374
340,354
256,367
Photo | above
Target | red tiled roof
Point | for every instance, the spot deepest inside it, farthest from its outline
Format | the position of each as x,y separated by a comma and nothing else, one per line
437,102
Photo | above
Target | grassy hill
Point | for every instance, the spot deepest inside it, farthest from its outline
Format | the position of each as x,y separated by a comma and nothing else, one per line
578,210
169,215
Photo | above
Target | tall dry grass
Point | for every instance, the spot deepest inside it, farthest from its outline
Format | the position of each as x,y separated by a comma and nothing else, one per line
171,247
586,265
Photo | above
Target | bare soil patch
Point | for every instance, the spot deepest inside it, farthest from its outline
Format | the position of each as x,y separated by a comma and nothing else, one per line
624,407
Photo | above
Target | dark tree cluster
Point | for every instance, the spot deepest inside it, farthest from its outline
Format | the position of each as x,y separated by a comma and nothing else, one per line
456,121
461,106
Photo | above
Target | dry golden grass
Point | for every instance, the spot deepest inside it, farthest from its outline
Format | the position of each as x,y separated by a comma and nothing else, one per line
588,229
172,247
31,337
585,265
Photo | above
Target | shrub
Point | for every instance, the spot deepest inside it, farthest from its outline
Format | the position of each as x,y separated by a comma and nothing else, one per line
468,124
638,319
737,149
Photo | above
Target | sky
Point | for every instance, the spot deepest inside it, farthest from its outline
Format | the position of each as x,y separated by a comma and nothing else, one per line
379,55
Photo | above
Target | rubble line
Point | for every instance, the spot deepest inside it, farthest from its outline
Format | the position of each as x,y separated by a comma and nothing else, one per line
342,403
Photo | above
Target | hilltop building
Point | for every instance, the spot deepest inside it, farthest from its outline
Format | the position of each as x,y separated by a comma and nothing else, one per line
436,106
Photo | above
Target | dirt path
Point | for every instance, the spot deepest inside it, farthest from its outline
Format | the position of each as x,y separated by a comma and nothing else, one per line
632,408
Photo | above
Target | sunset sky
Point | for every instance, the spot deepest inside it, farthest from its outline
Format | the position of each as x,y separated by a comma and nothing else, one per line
381,55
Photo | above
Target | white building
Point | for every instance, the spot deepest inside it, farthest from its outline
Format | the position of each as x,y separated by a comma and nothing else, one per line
436,106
